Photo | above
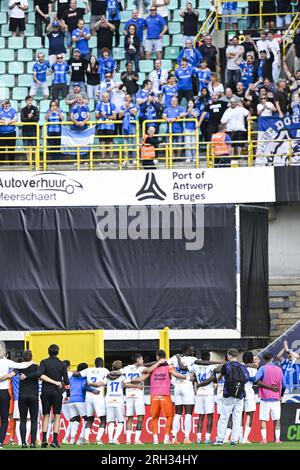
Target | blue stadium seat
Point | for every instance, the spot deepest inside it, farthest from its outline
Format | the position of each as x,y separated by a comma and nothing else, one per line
167,64
19,93
24,55
125,15
7,55
2,43
30,30
178,40
174,27
166,40
118,53
31,18
15,43
34,42
44,106
2,69
3,18
173,5
25,80
93,42
176,16
4,29
7,80
16,68
146,66
4,93
172,52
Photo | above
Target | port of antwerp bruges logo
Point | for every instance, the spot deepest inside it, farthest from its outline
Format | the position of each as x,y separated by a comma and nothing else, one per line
150,189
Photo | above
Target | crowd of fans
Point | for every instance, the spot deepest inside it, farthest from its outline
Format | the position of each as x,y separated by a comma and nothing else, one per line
219,92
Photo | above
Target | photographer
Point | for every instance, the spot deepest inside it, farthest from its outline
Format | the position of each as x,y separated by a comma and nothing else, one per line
43,9
17,16
113,12
132,46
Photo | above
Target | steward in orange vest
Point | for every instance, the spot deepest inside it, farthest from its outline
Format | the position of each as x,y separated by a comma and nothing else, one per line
221,147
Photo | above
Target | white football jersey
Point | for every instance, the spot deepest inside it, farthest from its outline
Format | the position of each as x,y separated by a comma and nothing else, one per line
114,391
95,374
133,372
187,361
203,373
250,395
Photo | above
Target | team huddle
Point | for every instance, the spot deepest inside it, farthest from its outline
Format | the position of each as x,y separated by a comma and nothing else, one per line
112,395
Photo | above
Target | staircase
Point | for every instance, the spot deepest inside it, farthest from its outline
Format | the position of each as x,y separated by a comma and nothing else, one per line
284,302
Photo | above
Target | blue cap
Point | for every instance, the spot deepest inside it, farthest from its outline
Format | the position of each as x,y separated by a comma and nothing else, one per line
76,84
55,23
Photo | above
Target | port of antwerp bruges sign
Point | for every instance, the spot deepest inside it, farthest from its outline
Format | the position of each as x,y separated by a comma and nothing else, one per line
132,187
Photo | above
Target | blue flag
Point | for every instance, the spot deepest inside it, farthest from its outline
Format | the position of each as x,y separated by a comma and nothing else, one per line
71,139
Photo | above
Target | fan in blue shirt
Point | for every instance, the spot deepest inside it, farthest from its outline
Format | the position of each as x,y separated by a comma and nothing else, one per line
81,37
193,56
184,75
203,75
172,113
247,69
80,114
7,114
106,63
155,25
140,24
60,70
40,68
169,91
113,9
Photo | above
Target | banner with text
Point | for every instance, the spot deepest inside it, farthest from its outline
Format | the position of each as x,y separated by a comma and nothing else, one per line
132,187
278,139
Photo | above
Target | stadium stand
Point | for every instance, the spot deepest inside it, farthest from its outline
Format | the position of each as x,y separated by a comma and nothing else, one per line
220,19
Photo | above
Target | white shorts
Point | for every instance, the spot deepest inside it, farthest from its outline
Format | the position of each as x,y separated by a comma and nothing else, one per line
249,405
269,407
136,405
16,412
204,405
65,409
184,393
114,413
219,402
95,405
153,45
77,409
35,87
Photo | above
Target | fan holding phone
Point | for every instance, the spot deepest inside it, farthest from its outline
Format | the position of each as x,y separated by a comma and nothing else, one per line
16,11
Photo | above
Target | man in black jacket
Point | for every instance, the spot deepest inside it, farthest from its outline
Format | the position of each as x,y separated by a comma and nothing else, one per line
264,66
52,394
29,113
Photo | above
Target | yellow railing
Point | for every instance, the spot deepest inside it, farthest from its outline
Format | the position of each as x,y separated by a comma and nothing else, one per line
174,144
288,36
261,16
108,150
124,151
207,26
20,149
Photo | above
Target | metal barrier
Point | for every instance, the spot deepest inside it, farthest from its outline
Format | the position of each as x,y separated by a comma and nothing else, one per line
184,149
261,15
174,144
109,150
22,149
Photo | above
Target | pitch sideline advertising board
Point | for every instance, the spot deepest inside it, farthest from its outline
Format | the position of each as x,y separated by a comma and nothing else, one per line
103,188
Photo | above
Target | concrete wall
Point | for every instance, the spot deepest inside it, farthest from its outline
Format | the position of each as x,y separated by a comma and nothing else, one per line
284,242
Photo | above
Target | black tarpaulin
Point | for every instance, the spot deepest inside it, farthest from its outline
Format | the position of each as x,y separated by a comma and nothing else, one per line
254,271
57,274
